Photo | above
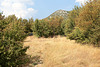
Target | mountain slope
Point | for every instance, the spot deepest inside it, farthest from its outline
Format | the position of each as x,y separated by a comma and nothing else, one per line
59,13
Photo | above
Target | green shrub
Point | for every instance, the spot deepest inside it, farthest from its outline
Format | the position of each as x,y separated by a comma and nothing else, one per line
83,24
15,31
77,35
28,26
89,21
47,28
12,33
69,24
10,52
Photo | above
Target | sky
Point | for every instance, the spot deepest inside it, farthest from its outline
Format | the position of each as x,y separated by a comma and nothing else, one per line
37,9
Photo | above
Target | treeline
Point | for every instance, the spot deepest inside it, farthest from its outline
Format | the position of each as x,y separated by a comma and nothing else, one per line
12,33
48,27
82,24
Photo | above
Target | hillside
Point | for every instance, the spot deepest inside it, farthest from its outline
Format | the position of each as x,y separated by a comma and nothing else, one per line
59,13
60,52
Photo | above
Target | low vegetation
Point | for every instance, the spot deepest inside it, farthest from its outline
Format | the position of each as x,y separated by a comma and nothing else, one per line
61,52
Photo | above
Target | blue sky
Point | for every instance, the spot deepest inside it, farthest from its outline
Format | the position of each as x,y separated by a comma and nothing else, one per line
36,8
46,7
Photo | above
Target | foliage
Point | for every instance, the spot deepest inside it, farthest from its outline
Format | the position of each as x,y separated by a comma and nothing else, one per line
28,26
76,35
10,52
87,23
48,28
15,31
12,33
69,24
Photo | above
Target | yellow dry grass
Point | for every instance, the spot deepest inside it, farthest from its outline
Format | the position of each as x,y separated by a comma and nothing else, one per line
60,52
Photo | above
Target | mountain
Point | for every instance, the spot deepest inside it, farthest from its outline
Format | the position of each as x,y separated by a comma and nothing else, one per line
59,13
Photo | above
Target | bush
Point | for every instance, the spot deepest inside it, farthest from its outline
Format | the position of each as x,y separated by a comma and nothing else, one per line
83,24
76,35
89,21
10,53
48,28
28,26
69,24
15,31
12,33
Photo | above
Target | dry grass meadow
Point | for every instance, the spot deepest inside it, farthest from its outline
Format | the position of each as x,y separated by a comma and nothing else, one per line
61,52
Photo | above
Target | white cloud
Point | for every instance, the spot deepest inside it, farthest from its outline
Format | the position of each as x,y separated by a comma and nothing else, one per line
81,1
21,8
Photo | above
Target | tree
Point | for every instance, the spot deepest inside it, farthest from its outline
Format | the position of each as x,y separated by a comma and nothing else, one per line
69,24
88,21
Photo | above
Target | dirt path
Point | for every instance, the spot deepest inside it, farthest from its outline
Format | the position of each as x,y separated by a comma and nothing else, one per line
60,52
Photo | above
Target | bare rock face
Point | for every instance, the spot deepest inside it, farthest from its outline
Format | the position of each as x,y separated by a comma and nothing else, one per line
59,13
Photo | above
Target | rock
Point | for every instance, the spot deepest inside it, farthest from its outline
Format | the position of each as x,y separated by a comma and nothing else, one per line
31,34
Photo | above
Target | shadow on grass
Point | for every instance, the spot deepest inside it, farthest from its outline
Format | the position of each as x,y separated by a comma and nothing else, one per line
29,61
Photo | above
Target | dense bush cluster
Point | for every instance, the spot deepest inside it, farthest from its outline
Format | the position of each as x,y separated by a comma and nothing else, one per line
12,32
83,23
48,27
69,23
